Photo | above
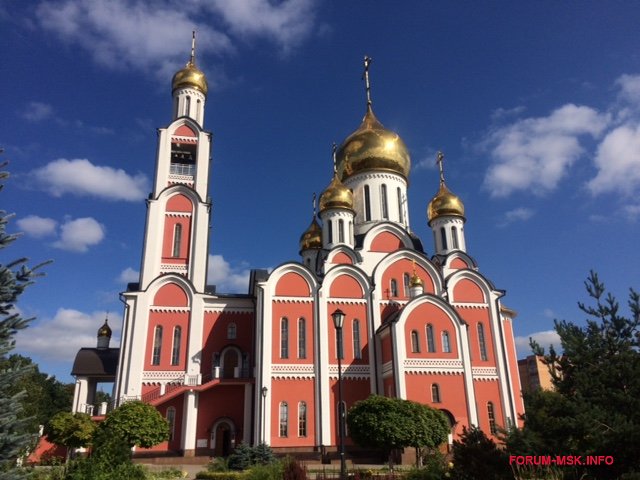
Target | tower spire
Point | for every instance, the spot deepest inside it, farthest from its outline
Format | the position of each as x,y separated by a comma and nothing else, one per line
367,85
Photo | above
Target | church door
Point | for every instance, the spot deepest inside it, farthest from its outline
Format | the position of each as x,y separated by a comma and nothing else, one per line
230,361
222,446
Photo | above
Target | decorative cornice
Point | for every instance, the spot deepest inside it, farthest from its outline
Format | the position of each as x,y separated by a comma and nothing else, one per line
292,371
428,366
278,299
350,371
223,309
164,309
481,306
484,373
163,376
178,214
346,301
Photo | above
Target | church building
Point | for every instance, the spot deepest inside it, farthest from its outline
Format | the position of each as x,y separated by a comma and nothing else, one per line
418,322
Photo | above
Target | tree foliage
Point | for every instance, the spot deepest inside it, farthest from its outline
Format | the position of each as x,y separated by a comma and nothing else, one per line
72,430
477,456
596,407
137,424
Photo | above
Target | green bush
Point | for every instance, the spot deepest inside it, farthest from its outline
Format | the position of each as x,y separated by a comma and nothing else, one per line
245,456
293,470
206,475
271,471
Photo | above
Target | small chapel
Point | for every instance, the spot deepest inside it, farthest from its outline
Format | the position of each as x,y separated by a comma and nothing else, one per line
369,308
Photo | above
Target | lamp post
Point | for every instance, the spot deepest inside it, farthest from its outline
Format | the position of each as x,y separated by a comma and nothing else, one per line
338,322
264,412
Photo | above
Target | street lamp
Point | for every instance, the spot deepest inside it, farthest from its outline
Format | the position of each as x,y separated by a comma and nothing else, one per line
264,412
338,322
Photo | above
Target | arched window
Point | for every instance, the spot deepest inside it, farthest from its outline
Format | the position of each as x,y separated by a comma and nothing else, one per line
232,331
329,231
492,418
435,393
431,344
341,231
175,108
367,204
415,341
407,284
177,240
175,350
350,231
454,237
284,419
198,110
187,106
284,338
446,345
394,287
383,199
443,236
302,419
302,338
400,214
157,346
481,343
171,420
357,352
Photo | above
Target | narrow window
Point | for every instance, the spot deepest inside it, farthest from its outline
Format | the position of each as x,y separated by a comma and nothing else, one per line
367,204
157,346
340,344
350,232
284,419
357,353
329,231
400,214
492,418
232,331
302,419
431,344
284,338
302,338
454,237
171,420
435,393
443,236
341,231
198,110
446,346
415,341
187,106
394,287
177,240
481,342
175,108
407,284
175,351
383,198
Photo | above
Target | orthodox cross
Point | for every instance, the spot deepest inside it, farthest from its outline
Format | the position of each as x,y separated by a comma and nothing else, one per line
367,62
440,161
334,149
192,60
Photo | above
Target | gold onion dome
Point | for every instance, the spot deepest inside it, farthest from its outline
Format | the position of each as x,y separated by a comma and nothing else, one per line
312,237
416,281
336,195
445,203
190,77
372,147
104,330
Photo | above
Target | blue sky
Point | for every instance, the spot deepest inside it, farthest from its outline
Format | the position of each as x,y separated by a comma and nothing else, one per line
536,106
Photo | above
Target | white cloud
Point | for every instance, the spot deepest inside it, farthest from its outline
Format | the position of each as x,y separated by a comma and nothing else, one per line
227,279
129,275
81,177
534,154
59,338
287,22
618,162
38,227
37,111
520,214
79,234
629,88
544,338
502,113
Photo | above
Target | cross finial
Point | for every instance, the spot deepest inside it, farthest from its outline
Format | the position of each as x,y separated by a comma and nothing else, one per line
314,204
440,161
414,266
192,60
334,149
367,62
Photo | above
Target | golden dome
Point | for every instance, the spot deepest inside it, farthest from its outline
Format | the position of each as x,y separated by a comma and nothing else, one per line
190,77
372,147
416,281
104,330
312,237
336,195
445,203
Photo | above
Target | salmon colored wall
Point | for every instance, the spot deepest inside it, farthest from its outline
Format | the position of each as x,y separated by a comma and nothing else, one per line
167,244
468,291
488,391
184,131
179,203
351,312
293,312
418,320
215,336
389,386
341,258
292,285
221,401
292,391
171,295
513,370
353,389
174,444
473,316
168,320
459,263
386,242
397,271
345,286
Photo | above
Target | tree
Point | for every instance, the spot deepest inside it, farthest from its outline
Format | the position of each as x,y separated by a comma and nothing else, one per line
71,430
137,424
15,277
477,456
597,380
392,423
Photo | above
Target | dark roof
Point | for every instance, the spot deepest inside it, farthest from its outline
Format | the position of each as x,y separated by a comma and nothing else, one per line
96,362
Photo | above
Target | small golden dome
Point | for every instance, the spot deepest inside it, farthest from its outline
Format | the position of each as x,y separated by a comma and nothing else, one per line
445,203
312,237
336,195
104,330
416,281
372,147
190,77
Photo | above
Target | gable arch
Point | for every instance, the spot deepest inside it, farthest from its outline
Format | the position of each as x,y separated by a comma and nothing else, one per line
458,260
346,280
426,270
381,232
179,203
176,284
292,279
343,254
469,286
185,125
167,193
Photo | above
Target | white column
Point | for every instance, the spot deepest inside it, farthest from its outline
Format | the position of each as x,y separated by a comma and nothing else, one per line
80,394
246,422
189,423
